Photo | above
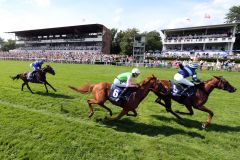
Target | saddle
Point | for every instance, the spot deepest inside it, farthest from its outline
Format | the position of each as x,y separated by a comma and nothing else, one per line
115,92
178,89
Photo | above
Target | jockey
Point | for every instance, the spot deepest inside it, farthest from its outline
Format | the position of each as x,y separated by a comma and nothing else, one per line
36,65
187,71
126,80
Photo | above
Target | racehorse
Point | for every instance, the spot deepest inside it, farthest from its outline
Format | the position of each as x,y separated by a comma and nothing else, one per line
101,93
197,100
40,77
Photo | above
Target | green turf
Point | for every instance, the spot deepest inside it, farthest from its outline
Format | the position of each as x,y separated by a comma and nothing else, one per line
56,125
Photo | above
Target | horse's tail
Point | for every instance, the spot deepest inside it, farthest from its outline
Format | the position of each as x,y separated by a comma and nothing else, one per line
15,77
83,89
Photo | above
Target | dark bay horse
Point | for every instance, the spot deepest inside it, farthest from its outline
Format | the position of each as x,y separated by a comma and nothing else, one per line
197,100
40,77
101,92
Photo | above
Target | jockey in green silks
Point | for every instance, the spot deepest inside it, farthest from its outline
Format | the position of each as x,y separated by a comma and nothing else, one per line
126,80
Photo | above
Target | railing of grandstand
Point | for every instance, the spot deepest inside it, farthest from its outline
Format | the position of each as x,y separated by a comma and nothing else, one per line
97,39
200,40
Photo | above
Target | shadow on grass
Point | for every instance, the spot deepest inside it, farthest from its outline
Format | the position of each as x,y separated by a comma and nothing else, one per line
54,95
196,124
126,125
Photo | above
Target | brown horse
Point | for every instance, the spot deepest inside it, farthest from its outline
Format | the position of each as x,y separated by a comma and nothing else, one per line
40,77
101,93
197,100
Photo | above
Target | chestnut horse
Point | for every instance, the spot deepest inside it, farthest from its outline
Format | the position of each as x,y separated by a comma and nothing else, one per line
40,77
197,100
101,93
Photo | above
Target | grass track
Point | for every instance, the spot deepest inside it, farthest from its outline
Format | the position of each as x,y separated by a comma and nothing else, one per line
56,125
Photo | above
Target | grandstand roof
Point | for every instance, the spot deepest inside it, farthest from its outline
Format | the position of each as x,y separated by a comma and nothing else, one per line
202,27
60,30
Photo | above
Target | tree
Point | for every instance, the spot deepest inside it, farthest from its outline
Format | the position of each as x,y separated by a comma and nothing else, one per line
9,45
1,42
153,41
115,46
234,16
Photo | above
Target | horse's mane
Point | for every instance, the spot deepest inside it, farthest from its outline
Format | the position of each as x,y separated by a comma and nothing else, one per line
147,79
202,84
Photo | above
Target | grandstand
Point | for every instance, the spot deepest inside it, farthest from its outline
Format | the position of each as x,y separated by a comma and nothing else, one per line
91,38
211,40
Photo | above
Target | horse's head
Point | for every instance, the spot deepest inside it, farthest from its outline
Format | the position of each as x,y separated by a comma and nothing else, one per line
224,84
159,88
151,80
49,69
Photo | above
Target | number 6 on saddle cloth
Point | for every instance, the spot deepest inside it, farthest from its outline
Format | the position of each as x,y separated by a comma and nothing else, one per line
116,91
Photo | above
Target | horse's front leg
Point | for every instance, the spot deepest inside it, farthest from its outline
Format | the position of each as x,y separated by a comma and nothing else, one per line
51,86
210,115
46,87
23,85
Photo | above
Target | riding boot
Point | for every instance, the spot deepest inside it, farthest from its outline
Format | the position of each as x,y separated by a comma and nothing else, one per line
33,74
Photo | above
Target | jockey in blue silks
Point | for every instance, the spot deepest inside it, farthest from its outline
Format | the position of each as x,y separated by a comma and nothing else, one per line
187,71
36,65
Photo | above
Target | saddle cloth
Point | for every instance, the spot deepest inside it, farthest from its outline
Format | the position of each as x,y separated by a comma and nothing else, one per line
177,89
116,91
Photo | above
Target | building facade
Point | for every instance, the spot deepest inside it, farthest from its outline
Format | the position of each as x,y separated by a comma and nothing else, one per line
211,39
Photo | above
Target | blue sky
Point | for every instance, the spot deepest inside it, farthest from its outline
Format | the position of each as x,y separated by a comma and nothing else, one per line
146,15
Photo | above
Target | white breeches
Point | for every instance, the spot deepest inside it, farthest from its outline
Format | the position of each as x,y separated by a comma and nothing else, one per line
179,78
